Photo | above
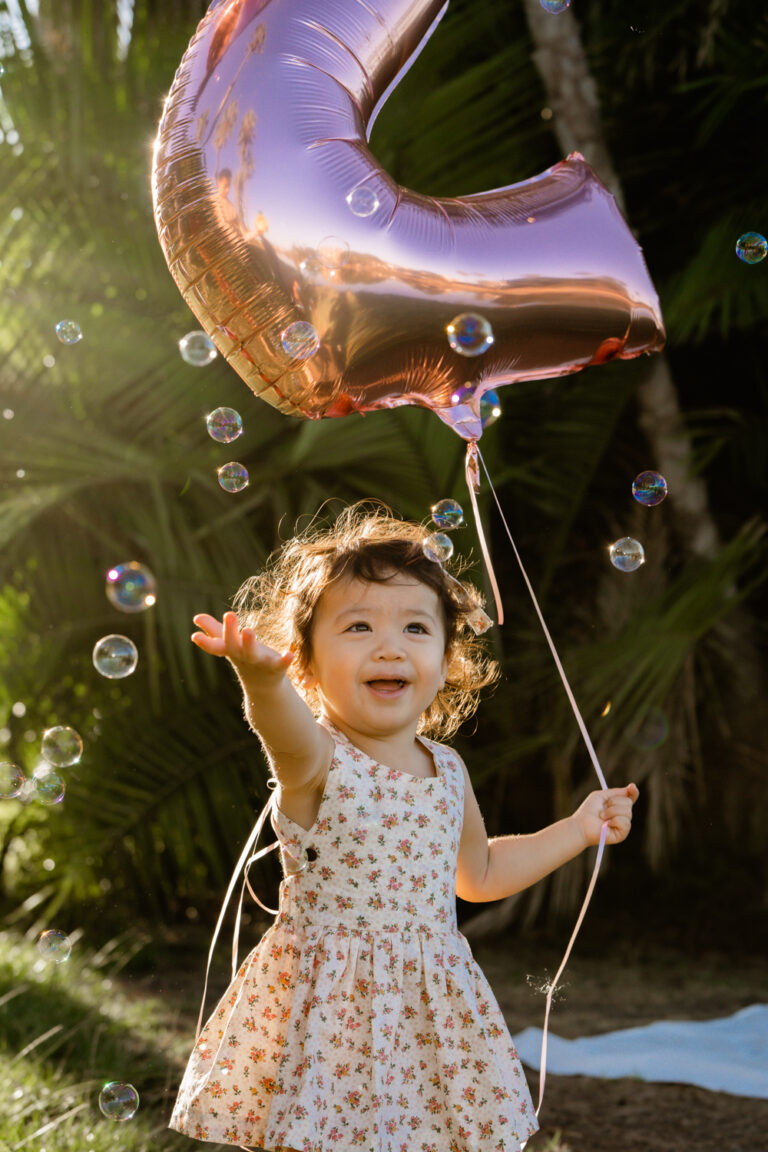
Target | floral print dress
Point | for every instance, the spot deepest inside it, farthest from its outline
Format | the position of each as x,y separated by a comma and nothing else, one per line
361,1019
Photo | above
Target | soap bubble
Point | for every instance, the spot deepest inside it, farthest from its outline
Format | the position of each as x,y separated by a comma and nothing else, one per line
490,408
447,514
68,331
224,425
555,6
627,554
363,201
131,587
12,780
54,945
751,247
650,731
197,349
438,547
233,477
118,1101
47,786
300,340
649,488
62,746
470,334
115,657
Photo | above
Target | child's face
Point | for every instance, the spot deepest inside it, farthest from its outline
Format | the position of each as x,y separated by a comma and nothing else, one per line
378,653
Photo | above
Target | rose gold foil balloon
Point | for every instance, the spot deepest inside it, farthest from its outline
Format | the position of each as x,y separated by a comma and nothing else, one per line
272,212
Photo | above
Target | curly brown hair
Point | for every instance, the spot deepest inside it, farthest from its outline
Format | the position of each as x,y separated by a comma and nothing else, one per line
367,541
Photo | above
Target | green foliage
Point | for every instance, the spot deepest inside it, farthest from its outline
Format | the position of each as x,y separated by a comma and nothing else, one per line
110,438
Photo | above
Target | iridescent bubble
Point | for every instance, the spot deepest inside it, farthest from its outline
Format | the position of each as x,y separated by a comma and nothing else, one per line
333,252
119,1101
363,201
12,781
627,554
470,334
555,6
61,746
233,477
115,657
649,488
438,547
447,514
197,349
54,945
224,425
751,247
300,340
68,331
650,731
47,786
490,408
131,587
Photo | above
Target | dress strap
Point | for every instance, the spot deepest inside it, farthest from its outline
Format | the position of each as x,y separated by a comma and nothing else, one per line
242,865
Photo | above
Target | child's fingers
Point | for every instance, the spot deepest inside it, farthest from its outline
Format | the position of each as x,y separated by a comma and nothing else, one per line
207,623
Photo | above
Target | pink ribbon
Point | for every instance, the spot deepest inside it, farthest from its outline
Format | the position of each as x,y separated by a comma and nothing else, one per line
473,483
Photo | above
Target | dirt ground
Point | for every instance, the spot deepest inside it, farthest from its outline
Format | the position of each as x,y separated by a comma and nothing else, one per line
623,991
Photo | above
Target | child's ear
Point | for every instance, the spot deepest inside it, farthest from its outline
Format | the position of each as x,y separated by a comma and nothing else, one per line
308,678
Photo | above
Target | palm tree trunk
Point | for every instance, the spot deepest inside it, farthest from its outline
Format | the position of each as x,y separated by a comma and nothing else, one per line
572,95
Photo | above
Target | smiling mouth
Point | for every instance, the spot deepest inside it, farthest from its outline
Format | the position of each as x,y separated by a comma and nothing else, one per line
386,686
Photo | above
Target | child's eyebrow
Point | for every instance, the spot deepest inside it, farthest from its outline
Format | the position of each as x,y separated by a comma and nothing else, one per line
357,610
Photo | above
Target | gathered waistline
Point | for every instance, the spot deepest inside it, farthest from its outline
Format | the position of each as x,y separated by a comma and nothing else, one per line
311,923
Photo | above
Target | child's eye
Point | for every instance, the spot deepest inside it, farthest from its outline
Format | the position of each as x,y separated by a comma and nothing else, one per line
358,626
416,628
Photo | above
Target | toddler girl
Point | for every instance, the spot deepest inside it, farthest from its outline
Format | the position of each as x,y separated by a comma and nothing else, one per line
361,1019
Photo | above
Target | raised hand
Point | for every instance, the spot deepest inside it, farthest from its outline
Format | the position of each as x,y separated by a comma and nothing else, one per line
239,646
611,806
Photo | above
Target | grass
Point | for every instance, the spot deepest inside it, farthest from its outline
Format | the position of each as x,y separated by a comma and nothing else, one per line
67,1029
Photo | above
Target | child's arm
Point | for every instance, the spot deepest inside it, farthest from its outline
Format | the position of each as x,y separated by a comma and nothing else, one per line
492,870
298,748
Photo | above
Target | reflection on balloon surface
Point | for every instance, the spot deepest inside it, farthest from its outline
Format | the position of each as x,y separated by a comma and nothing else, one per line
555,6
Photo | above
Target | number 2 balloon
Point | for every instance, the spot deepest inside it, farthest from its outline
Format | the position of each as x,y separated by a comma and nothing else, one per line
262,168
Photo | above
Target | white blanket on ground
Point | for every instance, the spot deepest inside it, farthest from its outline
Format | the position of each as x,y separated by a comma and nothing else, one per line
729,1055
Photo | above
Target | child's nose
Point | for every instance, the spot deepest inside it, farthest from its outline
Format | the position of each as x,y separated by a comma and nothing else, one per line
389,647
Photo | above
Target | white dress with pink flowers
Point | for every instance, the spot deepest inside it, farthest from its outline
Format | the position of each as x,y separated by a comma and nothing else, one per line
361,1019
